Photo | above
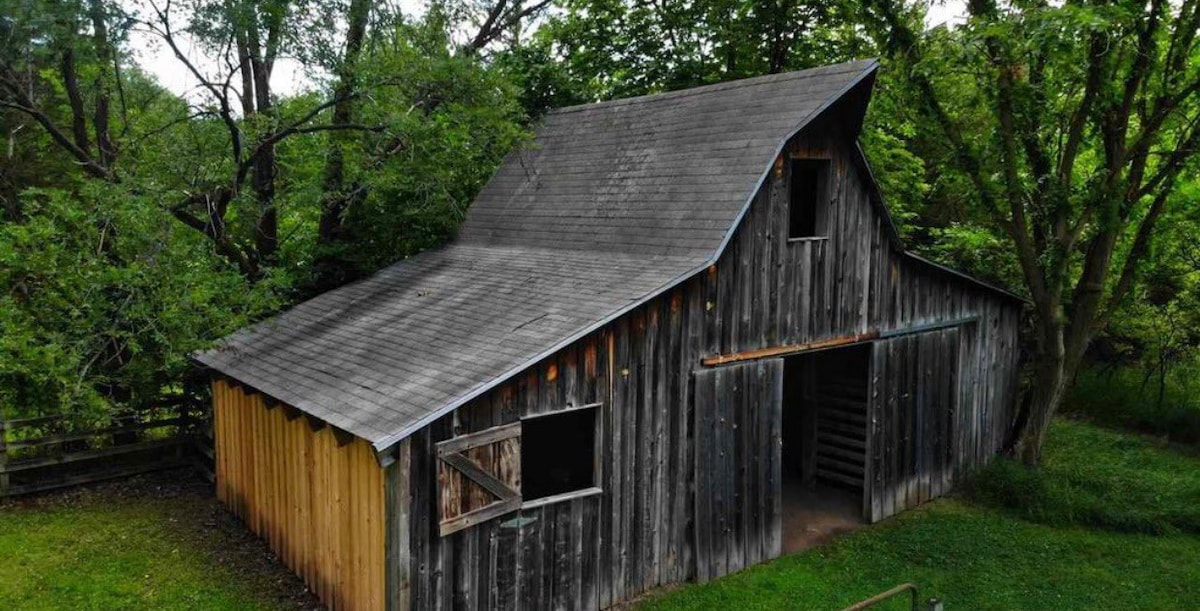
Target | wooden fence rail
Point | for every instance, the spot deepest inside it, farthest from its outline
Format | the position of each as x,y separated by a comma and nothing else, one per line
47,452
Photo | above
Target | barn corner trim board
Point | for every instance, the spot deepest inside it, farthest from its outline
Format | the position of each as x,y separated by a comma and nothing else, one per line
606,382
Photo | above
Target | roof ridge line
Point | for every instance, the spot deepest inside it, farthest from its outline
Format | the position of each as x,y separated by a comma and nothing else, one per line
749,81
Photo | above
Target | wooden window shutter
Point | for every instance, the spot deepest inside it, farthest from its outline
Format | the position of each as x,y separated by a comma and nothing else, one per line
479,477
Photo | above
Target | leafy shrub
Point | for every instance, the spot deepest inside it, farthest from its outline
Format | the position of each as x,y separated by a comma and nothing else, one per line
105,299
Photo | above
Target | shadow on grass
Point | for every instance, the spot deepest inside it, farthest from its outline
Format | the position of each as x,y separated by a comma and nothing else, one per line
159,541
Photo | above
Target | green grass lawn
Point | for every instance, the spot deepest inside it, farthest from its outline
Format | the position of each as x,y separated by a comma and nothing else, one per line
1111,522
146,545
1070,537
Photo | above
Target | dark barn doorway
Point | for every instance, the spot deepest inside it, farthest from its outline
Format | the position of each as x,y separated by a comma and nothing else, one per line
824,444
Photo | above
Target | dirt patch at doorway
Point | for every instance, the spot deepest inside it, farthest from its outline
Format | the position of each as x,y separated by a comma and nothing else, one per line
815,515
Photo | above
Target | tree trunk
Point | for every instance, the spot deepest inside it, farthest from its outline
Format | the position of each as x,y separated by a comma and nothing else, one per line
1162,381
246,72
78,116
104,51
1048,391
1051,372
1060,353
337,198
266,229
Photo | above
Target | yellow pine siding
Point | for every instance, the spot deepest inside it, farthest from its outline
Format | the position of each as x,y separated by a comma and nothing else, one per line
319,506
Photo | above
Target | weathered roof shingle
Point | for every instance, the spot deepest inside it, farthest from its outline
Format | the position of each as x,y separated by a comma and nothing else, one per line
610,205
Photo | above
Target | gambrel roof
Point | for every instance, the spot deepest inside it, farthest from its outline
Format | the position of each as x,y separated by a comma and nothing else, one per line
611,205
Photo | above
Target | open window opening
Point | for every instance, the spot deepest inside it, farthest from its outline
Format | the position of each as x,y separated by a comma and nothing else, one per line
809,188
542,459
824,444
558,453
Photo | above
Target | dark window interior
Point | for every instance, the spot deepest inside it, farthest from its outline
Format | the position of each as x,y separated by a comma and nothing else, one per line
558,453
808,190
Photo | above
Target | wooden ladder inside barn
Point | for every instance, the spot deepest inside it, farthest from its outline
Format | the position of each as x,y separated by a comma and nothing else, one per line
933,604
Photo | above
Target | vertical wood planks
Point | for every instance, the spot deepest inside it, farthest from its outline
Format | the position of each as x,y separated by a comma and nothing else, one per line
738,413
771,410
318,504
398,543
914,408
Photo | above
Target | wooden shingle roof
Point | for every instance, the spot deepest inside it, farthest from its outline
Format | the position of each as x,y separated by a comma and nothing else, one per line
611,205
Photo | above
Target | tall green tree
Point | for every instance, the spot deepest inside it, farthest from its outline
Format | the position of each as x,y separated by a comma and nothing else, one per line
618,48
1072,125
139,226
450,120
103,295
46,37
235,206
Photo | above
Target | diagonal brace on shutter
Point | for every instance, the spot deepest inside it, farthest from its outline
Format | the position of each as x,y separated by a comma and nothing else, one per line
452,456
468,468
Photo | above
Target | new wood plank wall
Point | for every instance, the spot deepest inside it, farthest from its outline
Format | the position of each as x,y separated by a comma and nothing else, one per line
319,505
764,292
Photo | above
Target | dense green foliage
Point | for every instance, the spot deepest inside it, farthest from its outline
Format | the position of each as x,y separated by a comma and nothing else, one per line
207,213
450,122
973,555
1133,399
1074,127
139,225
94,314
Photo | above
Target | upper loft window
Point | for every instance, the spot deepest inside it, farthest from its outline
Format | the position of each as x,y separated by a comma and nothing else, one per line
558,453
809,191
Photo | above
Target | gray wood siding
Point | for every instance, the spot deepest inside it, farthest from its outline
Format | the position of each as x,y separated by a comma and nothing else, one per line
915,411
589,552
764,292
738,472
776,292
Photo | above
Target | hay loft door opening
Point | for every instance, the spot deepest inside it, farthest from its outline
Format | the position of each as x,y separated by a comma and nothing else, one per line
825,400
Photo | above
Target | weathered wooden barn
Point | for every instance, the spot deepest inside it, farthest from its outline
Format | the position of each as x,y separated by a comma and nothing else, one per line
657,319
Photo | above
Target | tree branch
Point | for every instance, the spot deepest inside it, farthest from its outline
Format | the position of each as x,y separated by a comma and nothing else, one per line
221,95
339,127
497,22
1093,82
214,228
293,128
1141,243
1185,148
84,160
487,31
